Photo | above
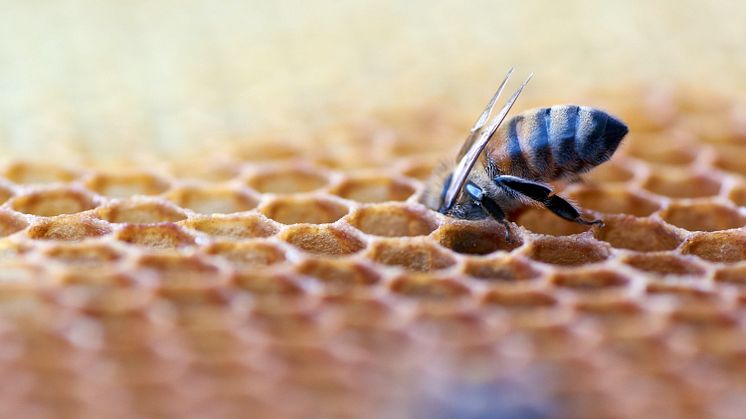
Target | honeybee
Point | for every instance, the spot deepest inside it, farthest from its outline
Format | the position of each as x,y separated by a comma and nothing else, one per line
501,168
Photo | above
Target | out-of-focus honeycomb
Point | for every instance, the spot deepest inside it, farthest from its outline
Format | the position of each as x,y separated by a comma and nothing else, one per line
315,285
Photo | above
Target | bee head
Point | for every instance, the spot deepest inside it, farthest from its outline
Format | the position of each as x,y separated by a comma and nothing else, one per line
449,198
463,207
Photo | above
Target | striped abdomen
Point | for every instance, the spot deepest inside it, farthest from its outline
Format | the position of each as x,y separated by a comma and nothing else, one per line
550,143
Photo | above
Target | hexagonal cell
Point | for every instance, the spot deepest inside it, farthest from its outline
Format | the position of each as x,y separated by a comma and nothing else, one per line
614,200
700,112
234,227
703,216
284,181
476,238
51,202
358,311
125,185
611,172
456,329
705,316
295,328
664,264
685,292
323,240
98,300
175,273
738,195
720,128
427,287
68,228
140,212
641,234
93,273
644,108
339,274
5,194
419,255
304,210
419,170
610,308
213,199
730,158
26,173
11,250
246,255
268,284
156,236
392,221
735,275
213,170
544,222
568,251
374,189
724,247
519,298
19,276
502,269
10,223
83,254
682,184
593,279
670,148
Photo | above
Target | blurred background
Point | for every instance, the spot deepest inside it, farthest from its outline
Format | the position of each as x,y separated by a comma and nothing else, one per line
85,80
91,84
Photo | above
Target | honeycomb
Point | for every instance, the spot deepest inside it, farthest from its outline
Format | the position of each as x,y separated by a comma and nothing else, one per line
316,285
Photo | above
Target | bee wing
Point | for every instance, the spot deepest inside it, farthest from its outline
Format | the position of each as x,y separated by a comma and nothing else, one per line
474,133
461,173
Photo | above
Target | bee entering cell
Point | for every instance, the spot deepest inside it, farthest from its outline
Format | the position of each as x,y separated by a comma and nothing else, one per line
502,168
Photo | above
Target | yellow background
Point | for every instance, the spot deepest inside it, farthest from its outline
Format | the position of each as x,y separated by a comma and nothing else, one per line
94,79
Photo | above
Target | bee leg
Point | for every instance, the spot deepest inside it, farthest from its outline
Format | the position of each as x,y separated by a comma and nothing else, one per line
541,193
493,209
533,190
564,209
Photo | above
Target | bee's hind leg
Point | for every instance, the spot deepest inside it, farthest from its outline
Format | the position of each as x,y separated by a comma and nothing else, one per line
564,209
541,193
493,209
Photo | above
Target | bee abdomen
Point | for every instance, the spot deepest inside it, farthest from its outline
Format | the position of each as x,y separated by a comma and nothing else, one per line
549,143
582,137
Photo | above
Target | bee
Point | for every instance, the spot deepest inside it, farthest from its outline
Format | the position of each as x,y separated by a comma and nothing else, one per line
502,168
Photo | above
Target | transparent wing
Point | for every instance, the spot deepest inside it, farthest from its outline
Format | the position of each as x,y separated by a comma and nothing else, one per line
474,133
474,146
